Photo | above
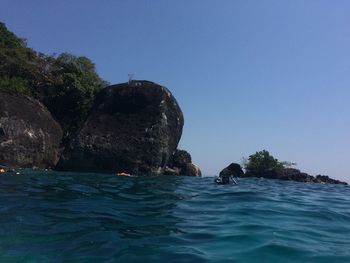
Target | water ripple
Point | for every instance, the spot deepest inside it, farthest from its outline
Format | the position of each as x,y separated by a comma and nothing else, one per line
65,217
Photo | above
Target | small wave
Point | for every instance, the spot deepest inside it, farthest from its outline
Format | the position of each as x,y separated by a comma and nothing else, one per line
65,216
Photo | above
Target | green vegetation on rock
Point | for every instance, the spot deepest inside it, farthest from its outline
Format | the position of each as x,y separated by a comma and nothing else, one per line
14,85
71,89
262,163
9,39
65,84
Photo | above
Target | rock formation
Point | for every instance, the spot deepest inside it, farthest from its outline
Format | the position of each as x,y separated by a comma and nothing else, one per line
293,174
181,164
290,174
133,127
234,169
29,136
325,179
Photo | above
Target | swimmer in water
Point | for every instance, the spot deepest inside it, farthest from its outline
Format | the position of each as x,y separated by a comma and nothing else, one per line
225,179
123,174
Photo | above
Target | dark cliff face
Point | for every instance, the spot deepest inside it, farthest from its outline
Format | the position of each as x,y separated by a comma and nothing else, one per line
133,127
29,136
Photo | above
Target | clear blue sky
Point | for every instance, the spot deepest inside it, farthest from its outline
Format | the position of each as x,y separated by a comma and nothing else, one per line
249,75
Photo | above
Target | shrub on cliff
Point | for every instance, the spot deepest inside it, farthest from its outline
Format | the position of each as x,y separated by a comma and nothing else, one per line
9,39
262,163
65,84
71,90
14,85
17,64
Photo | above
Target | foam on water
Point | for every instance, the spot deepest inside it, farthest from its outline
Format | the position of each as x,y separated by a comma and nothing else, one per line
66,217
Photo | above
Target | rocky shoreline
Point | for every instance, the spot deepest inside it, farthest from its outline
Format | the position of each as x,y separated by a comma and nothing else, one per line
57,113
133,128
290,174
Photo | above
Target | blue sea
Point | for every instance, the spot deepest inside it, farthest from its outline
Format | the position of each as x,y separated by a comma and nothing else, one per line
73,217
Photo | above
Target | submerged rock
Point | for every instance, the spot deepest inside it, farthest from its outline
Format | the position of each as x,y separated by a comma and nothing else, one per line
181,164
133,127
325,179
29,136
293,174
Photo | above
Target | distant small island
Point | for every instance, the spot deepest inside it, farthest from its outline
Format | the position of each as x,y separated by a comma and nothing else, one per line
56,112
263,165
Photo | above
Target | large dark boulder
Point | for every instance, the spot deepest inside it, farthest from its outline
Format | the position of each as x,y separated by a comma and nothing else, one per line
227,174
29,136
180,163
234,169
179,159
191,170
133,127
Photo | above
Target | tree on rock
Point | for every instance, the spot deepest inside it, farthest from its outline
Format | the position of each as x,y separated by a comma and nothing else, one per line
65,84
71,91
262,163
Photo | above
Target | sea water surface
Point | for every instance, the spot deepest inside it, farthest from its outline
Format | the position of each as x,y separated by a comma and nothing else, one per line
72,217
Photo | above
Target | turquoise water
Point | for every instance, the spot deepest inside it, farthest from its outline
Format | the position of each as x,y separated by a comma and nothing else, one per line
66,217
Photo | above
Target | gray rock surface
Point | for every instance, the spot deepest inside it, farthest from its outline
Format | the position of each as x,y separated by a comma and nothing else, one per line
292,174
133,127
181,164
326,179
234,169
191,170
29,136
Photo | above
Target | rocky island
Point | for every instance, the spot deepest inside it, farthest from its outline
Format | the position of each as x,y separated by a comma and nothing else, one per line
263,165
133,127
56,112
